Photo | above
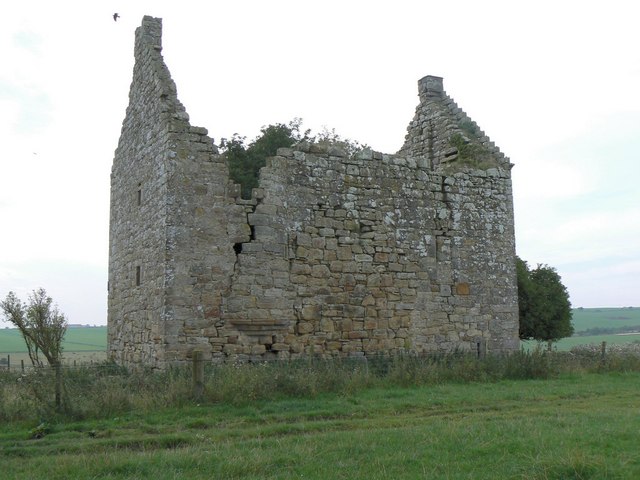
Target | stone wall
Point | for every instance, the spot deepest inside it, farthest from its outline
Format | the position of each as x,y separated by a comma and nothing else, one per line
138,209
334,255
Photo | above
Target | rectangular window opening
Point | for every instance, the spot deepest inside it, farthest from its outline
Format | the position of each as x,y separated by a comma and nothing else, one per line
138,276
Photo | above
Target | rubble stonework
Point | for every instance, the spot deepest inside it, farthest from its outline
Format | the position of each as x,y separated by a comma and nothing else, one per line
334,255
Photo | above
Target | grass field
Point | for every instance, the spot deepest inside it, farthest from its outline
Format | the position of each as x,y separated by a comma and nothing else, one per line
81,345
574,427
259,423
587,318
70,358
568,343
75,340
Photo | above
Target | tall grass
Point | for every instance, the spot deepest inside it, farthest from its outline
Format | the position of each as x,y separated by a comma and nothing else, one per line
106,390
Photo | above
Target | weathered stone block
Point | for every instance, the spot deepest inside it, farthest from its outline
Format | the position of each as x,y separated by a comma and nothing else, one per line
463,288
304,328
311,312
320,271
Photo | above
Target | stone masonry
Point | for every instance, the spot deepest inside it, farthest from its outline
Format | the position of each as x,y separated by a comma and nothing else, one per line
334,255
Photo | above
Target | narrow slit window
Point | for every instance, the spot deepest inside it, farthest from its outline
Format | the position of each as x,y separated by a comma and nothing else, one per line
138,276
139,194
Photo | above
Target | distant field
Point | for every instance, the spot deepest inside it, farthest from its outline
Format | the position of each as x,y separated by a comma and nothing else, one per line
568,343
76,340
82,345
68,358
627,319
587,318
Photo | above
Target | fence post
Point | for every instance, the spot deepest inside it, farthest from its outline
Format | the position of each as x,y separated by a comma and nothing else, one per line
482,349
58,368
603,350
22,365
198,373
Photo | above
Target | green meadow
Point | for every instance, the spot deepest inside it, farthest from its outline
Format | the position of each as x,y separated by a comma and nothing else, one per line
531,415
612,325
568,343
589,318
580,426
77,339
80,345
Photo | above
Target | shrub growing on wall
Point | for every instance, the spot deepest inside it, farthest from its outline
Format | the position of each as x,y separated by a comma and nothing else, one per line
245,161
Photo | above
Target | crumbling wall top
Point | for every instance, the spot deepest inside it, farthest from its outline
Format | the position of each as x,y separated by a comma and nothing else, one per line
149,34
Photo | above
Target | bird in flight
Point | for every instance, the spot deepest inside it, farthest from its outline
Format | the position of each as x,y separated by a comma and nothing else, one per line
116,17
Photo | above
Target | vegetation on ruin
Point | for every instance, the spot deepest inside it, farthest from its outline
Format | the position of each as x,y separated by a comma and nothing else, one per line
246,159
470,153
470,128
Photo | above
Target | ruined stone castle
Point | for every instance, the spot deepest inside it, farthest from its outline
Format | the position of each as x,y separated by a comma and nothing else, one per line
334,255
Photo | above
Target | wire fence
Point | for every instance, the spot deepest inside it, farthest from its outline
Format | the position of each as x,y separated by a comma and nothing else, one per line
18,362
96,389
9,362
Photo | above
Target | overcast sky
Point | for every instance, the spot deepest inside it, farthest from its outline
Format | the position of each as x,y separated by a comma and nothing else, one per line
554,83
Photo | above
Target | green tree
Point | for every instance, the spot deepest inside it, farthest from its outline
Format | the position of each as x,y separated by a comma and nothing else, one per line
525,288
544,306
42,327
245,161
40,323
